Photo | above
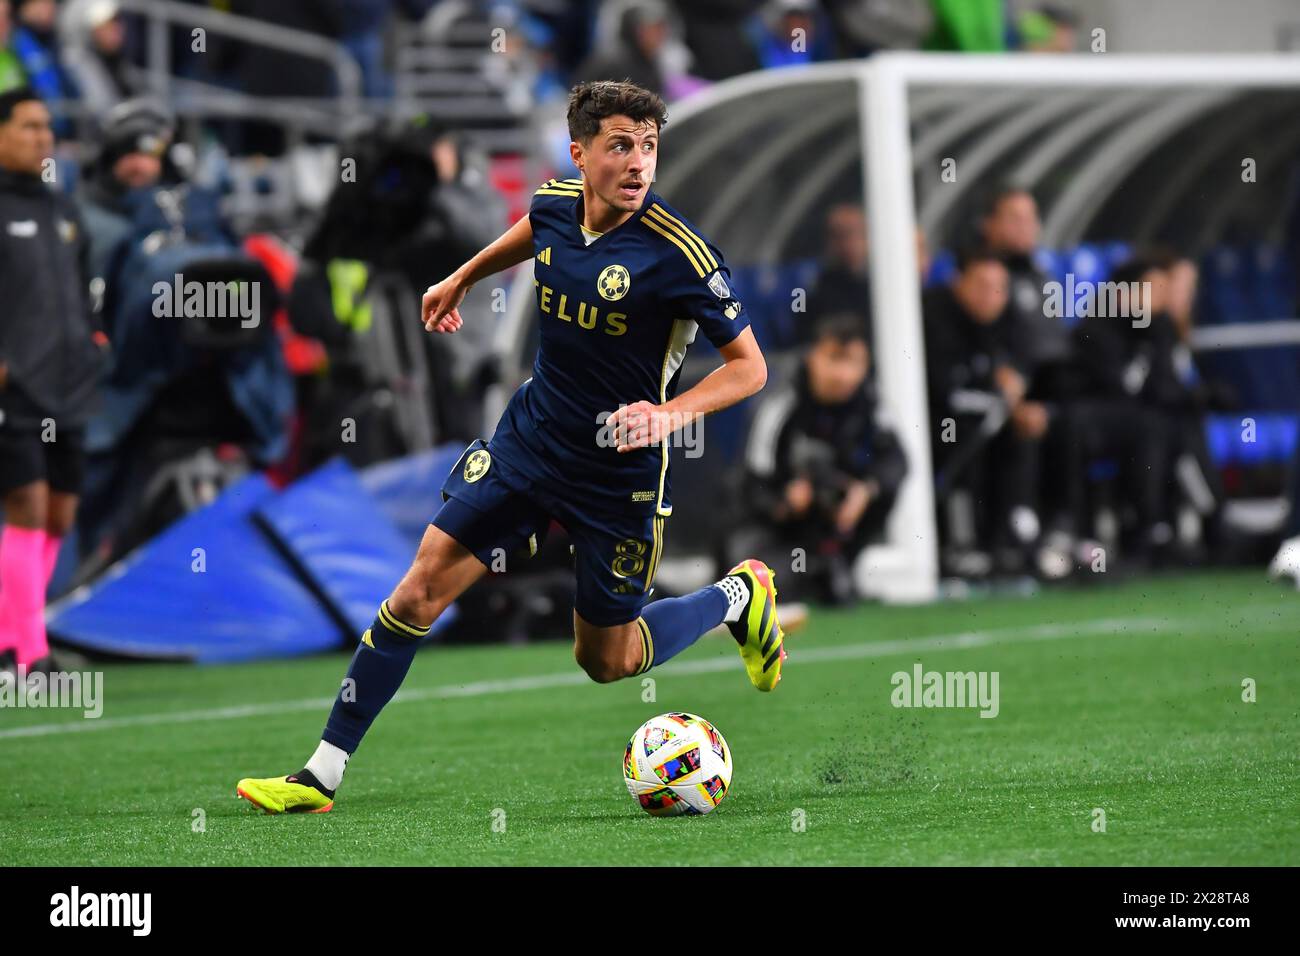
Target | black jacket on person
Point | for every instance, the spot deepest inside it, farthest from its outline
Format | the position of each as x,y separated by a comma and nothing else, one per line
961,355
1040,344
1118,361
839,290
46,332
794,435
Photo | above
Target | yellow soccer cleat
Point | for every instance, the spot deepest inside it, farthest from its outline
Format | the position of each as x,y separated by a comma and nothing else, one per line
284,795
758,632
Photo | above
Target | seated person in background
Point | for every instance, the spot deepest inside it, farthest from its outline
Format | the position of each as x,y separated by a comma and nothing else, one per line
12,74
822,469
132,160
1177,390
985,435
843,284
1126,366
35,42
1042,349
1040,342
842,281
94,47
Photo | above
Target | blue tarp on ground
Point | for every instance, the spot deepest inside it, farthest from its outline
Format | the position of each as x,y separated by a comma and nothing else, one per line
246,603
342,542
284,573
408,490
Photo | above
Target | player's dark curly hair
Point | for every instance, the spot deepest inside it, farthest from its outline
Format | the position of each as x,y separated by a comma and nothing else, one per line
589,103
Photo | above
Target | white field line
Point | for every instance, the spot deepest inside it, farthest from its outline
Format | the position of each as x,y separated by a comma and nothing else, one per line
1129,626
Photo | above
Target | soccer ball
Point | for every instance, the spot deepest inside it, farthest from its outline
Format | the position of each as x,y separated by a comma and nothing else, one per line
676,764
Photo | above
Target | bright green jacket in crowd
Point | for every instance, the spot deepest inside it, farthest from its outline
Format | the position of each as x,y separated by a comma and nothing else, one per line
11,72
969,26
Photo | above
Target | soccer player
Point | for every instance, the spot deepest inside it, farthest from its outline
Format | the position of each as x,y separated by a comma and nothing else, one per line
622,283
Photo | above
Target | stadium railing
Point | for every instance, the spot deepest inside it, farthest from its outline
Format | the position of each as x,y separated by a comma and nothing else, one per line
461,95
161,15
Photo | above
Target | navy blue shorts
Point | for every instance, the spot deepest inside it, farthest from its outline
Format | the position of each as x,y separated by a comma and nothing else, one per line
501,517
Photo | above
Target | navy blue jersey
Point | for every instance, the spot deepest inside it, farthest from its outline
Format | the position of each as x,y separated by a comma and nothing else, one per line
616,318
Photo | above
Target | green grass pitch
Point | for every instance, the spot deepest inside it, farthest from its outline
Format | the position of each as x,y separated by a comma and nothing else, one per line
1126,698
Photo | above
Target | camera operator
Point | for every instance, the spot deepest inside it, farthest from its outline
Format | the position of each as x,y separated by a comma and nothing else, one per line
822,467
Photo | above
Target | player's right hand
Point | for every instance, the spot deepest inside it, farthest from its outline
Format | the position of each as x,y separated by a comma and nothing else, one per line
438,308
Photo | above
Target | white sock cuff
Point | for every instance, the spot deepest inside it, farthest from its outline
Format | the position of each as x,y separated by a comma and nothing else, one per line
328,764
737,593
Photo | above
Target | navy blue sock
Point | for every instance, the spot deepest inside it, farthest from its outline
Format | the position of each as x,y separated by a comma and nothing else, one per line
378,668
670,626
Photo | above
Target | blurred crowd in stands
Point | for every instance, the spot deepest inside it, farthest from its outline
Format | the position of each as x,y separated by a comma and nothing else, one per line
1028,413
93,53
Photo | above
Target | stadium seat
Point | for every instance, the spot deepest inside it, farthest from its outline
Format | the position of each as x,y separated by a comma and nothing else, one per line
1115,253
1271,282
943,266
1088,264
1226,299
1051,263
1276,436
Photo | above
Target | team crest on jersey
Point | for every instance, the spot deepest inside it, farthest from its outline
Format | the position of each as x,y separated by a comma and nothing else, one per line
731,309
613,283
477,465
719,286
